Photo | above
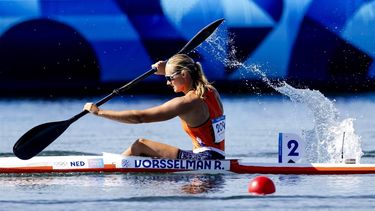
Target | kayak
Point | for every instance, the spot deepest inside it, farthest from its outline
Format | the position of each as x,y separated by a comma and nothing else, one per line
108,162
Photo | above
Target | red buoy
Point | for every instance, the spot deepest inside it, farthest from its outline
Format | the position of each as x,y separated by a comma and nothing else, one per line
261,185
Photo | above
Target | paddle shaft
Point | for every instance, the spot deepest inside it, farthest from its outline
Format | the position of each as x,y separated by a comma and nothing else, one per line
114,93
201,36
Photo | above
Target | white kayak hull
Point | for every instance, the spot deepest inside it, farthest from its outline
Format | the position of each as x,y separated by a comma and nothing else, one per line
116,163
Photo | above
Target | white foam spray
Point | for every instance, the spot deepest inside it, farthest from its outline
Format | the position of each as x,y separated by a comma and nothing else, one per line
331,140
326,142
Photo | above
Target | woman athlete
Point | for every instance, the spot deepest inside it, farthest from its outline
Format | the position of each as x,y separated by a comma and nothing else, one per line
200,110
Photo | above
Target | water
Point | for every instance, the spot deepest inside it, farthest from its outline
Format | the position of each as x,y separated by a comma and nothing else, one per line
253,123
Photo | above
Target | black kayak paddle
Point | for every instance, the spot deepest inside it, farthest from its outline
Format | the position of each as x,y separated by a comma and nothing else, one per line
39,137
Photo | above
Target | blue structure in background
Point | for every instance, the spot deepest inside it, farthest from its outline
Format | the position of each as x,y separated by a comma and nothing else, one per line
77,44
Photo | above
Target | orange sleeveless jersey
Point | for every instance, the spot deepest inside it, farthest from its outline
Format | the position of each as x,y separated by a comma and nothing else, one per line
203,136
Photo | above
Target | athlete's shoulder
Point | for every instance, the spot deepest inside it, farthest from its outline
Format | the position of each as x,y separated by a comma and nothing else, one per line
186,101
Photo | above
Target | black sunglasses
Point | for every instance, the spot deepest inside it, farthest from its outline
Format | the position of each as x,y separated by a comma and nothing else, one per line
171,77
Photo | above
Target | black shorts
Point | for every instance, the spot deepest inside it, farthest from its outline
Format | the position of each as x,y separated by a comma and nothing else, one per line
205,155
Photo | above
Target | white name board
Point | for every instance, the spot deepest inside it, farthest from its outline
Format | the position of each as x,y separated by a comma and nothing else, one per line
291,148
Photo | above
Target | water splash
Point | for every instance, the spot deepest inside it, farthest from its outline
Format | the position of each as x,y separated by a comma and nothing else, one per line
331,139
326,142
221,46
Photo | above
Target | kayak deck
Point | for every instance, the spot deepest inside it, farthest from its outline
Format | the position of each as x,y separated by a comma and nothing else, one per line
117,163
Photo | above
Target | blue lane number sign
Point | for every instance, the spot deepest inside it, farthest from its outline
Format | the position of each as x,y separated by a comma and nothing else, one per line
291,148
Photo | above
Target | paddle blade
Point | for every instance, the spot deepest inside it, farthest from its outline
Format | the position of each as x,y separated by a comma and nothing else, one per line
201,36
38,138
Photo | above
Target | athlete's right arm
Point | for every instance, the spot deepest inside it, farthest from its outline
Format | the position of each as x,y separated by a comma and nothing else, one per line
168,110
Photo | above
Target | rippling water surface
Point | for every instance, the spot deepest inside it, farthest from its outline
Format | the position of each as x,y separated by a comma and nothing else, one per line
253,124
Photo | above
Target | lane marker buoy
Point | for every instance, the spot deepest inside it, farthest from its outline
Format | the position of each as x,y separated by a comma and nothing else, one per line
261,185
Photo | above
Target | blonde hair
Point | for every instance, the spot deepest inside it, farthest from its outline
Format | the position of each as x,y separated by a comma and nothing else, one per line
200,82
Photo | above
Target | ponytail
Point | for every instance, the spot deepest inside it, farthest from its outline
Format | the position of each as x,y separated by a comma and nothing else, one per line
201,83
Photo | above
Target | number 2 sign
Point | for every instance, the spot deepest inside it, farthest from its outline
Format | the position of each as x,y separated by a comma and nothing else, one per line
291,148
